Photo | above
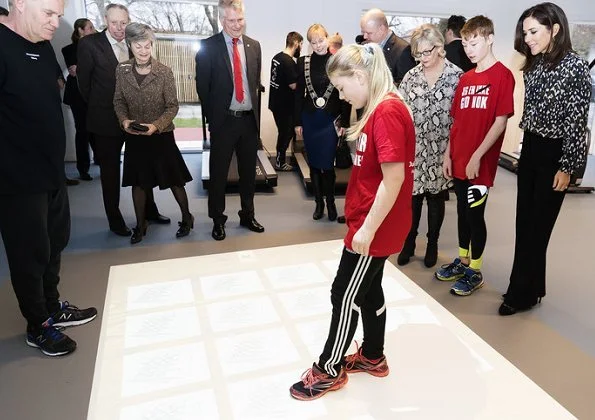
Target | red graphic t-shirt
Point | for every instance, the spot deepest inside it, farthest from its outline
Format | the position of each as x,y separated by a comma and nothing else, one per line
389,136
479,99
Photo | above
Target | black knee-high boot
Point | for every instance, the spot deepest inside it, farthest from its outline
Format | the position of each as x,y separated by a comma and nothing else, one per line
435,219
409,245
316,177
328,186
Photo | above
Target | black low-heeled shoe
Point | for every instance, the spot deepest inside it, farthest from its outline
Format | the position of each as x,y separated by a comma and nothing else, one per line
506,310
185,227
137,234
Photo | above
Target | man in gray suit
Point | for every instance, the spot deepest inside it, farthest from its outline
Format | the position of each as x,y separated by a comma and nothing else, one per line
228,67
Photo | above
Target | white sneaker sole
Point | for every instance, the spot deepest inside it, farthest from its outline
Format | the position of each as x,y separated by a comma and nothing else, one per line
47,353
75,323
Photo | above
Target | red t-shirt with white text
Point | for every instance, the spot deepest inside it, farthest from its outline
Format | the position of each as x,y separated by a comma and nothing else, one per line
389,136
479,99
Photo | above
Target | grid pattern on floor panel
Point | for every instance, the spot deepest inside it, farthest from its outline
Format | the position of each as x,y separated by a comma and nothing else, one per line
224,336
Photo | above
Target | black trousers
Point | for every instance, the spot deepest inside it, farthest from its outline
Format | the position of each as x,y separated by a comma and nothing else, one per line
357,287
82,138
108,150
238,134
537,209
471,225
35,229
286,133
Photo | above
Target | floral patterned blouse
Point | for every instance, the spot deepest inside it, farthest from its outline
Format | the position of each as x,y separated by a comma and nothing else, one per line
557,106
431,116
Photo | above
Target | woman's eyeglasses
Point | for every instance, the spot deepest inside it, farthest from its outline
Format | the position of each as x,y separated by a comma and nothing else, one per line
425,53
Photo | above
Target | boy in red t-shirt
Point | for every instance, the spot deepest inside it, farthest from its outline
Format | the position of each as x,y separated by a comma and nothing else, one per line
378,213
481,107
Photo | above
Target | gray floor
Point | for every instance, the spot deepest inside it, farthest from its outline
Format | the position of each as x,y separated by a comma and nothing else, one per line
554,344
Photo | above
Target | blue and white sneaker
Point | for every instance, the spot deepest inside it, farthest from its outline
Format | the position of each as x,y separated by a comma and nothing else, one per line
470,282
451,272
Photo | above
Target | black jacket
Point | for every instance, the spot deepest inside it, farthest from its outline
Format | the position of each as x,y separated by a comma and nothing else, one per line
96,74
398,57
214,78
455,53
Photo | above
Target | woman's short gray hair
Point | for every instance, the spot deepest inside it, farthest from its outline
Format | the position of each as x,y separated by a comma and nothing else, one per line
139,32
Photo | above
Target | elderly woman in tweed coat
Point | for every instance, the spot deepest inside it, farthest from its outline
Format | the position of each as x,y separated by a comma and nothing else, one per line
145,102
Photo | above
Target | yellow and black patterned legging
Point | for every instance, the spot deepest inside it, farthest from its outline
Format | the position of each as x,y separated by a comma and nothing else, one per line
471,204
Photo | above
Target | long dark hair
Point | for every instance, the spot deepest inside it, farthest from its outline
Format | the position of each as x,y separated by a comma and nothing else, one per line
547,14
78,24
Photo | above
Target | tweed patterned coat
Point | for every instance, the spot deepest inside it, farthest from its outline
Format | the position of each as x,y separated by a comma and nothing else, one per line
153,102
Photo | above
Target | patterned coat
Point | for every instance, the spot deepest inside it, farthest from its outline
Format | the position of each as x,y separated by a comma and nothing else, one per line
431,116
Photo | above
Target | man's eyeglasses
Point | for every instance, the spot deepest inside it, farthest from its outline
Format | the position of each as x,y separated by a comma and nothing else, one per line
425,53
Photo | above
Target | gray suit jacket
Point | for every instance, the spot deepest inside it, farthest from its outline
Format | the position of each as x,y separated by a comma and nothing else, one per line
214,78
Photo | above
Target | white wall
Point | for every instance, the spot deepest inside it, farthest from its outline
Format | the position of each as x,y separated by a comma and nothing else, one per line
270,26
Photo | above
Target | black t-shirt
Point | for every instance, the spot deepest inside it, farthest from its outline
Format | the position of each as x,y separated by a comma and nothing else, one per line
455,53
32,135
283,73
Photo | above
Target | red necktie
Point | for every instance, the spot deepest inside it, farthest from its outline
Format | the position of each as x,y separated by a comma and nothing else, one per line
237,72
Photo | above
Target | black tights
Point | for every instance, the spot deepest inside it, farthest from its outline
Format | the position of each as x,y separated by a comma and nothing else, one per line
139,198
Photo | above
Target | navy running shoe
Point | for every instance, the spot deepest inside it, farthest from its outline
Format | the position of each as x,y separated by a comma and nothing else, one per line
50,340
469,283
451,272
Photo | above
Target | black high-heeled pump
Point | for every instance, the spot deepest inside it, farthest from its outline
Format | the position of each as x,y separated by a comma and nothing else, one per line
137,234
185,227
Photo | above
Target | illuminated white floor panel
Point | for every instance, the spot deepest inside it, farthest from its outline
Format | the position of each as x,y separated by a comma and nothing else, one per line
224,336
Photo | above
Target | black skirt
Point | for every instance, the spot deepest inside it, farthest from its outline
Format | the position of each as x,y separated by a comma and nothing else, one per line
154,161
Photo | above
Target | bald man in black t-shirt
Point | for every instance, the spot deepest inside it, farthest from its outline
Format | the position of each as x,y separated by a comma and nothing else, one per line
35,214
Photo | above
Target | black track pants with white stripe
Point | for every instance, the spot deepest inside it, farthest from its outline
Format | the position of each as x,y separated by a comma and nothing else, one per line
357,288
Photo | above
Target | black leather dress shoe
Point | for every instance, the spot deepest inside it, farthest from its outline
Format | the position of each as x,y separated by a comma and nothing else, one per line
86,177
252,225
121,231
218,233
159,219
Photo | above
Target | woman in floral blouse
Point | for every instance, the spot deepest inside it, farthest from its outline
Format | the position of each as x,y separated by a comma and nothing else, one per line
429,89
557,94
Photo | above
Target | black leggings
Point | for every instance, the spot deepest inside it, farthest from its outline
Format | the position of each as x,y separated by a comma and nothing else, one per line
471,204
285,127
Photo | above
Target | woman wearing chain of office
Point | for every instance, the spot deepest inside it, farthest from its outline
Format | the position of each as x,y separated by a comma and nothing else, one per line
317,107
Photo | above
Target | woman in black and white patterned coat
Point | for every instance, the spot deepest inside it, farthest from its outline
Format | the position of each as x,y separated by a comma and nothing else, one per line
557,94
429,89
